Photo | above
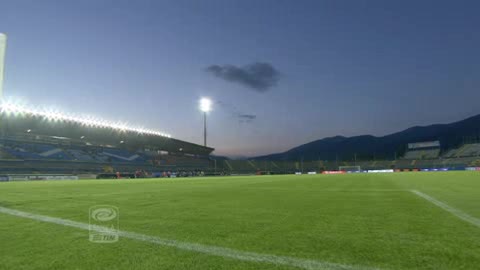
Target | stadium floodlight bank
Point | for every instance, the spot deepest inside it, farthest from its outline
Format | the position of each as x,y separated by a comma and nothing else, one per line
12,108
350,168
3,46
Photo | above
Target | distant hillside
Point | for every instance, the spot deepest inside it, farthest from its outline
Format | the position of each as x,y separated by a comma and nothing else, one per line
369,147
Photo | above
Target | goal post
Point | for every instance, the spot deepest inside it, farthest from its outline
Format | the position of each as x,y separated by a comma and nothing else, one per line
350,168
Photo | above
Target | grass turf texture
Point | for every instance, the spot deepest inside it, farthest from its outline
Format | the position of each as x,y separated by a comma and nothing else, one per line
367,220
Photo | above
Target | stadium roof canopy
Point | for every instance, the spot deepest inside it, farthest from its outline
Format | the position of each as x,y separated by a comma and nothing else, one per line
15,122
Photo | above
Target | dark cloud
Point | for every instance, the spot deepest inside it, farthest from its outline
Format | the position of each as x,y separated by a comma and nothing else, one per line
257,76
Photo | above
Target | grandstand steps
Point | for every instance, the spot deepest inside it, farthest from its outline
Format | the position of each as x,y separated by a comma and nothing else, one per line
228,165
450,153
275,165
461,150
51,152
6,155
251,164
133,157
475,163
69,155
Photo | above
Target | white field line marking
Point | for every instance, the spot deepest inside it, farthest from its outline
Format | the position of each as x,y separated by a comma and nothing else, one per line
200,248
458,213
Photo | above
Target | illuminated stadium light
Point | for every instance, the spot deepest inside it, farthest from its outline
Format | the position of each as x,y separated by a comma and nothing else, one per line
51,115
3,46
205,105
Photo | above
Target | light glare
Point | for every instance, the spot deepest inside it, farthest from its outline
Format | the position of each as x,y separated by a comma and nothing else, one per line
205,105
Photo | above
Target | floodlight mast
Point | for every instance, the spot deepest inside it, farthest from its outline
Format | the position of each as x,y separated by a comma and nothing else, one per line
205,129
3,47
205,107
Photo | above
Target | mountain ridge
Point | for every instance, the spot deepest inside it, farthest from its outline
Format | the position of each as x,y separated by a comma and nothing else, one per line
381,147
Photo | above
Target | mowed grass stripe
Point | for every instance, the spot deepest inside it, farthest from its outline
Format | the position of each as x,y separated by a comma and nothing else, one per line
456,212
195,247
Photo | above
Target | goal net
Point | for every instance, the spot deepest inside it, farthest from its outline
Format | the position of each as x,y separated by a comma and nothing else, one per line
350,168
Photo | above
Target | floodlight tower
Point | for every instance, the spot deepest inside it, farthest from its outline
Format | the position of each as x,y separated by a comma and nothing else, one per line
205,107
3,47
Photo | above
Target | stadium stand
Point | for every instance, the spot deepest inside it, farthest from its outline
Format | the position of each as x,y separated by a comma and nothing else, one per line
33,151
79,155
422,150
422,154
470,150
466,150
32,144
122,155
51,158
242,166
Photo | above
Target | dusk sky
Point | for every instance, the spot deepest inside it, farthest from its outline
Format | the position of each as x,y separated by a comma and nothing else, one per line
281,73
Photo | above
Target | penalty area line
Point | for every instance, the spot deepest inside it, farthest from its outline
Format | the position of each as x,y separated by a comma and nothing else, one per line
456,212
195,247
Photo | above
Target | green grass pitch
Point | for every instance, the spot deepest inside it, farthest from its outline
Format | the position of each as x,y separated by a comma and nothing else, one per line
353,221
